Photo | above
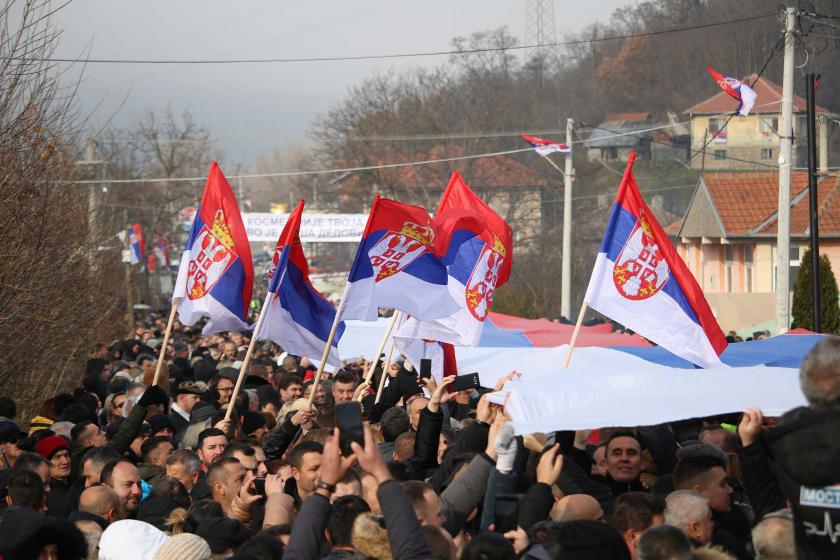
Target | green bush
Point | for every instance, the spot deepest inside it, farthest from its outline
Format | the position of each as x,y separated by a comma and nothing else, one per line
803,311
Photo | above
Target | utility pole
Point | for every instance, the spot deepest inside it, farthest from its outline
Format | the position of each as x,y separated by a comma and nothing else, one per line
566,278
823,151
813,202
785,164
129,288
91,164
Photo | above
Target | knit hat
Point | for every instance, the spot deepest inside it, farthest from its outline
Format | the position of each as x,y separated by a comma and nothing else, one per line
51,445
222,534
9,431
252,422
185,546
39,423
160,421
130,539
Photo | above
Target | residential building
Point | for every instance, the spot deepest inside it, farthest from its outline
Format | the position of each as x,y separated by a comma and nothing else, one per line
619,135
752,141
728,239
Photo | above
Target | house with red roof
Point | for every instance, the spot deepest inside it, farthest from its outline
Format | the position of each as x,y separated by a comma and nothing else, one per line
728,239
752,141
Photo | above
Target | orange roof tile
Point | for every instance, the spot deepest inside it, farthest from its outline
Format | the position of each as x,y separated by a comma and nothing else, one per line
745,200
769,100
828,198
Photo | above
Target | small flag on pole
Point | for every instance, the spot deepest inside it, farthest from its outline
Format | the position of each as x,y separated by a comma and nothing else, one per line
216,275
545,147
736,89
640,281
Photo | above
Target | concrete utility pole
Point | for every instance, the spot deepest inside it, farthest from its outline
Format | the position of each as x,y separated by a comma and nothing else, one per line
129,285
566,279
822,130
785,164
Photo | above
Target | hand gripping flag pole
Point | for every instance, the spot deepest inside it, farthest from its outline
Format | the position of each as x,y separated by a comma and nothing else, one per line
394,319
385,366
165,342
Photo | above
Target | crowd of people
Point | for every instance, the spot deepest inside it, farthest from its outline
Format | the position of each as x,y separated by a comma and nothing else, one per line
122,469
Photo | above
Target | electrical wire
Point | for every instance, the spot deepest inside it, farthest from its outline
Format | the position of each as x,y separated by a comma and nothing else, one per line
390,56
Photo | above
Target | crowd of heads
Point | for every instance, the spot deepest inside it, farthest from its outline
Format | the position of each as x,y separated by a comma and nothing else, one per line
123,468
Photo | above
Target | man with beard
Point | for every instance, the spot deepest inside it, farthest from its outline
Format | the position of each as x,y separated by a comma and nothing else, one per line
123,478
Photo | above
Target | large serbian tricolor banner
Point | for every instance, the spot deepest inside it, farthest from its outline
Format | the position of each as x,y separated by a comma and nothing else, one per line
640,281
216,275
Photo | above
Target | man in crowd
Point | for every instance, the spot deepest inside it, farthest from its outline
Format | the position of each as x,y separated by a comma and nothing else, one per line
124,479
184,466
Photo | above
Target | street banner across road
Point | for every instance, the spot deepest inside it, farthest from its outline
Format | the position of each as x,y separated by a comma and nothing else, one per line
322,228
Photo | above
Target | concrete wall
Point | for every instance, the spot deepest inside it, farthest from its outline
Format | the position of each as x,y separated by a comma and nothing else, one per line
744,141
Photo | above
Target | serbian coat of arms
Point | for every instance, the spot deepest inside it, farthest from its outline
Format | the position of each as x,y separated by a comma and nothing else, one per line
213,252
398,249
640,269
483,279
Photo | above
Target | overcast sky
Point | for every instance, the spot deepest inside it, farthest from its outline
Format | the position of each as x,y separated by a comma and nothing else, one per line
251,109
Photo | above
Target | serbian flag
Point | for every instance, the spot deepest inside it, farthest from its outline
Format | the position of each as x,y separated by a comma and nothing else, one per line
135,241
641,282
736,89
216,276
298,318
441,354
161,253
545,147
397,265
478,262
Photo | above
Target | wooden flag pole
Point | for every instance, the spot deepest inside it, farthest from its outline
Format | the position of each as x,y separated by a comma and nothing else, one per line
572,342
325,355
164,343
385,375
554,165
247,359
394,318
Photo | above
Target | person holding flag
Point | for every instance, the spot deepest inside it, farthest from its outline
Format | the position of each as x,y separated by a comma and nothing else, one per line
478,262
640,281
216,275
298,318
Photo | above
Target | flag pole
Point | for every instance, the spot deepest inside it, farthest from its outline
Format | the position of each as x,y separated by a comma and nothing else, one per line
164,343
385,367
572,342
247,359
325,355
391,323
554,165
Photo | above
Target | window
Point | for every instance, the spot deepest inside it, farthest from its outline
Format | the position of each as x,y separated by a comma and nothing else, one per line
716,124
720,155
768,126
766,153
727,258
748,268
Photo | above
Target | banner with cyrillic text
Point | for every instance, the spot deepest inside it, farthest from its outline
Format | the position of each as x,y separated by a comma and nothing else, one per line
320,228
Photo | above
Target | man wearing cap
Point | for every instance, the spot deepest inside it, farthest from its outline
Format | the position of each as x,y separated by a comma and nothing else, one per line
10,434
56,450
187,395
162,425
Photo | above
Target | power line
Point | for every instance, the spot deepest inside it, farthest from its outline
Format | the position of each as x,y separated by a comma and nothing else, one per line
388,56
